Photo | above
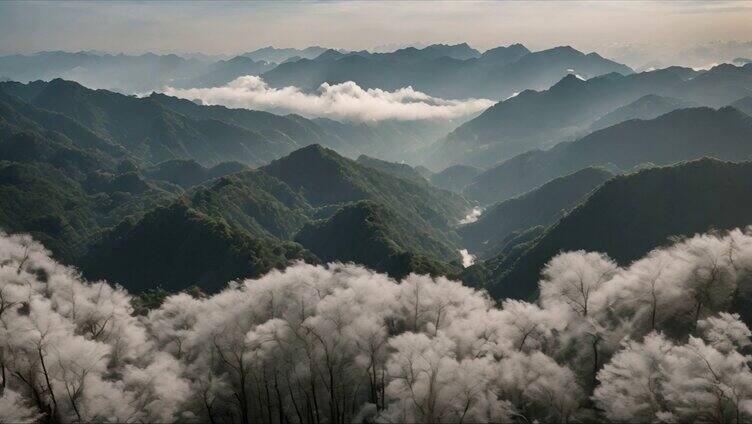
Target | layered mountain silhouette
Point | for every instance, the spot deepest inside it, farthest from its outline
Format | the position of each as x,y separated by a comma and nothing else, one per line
173,246
456,71
157,128
396,169
646,107
455,177
279,55
542,206
632,214
676,136
78,172
567,110
445,71
127,73
744,104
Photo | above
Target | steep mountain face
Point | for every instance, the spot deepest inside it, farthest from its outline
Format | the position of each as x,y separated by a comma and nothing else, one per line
567,110
649,106
43,201
371,234
397,169
32,134
455,178
393,140
441,71
62,182
540,207
676,136
174,246
535,119
254,201
390,140
69,187
325,178
633,214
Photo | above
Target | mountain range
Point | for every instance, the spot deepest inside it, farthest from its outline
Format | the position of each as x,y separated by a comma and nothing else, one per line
157,127
445,71
280,55
107,180
676,136
569,109
450,71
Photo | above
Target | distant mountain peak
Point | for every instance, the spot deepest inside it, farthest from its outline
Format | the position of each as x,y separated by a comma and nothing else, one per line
569,80
330,54
563,49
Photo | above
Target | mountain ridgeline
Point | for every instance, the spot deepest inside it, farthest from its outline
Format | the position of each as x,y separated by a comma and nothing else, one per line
630,215
84,177
679,135
449,71
157,128
539,207
573,106
131,188
445,71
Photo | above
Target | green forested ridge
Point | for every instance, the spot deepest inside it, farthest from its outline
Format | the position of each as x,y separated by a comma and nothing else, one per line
324,177
541,206
369,233
455,177
254,201
175,247
679,135
106,193
632,214
187,172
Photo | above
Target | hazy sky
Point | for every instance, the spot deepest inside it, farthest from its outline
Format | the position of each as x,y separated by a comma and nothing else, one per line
234,27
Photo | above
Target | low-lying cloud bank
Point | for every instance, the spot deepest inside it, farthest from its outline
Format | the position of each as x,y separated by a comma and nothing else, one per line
345,101
649,342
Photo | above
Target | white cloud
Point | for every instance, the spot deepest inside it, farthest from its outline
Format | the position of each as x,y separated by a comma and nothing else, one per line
472,216
345,101
467,258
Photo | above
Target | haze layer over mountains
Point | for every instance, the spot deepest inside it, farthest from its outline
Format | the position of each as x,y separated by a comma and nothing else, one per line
423,235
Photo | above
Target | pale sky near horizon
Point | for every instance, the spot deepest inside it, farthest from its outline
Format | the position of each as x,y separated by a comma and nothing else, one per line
609,27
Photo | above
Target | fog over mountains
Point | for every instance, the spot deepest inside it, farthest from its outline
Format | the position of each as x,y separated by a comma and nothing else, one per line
436,234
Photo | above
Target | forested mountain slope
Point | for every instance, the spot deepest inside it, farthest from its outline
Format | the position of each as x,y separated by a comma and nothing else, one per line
633,214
